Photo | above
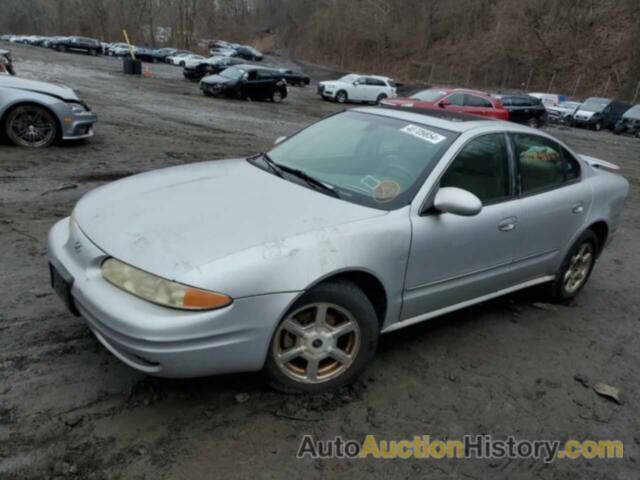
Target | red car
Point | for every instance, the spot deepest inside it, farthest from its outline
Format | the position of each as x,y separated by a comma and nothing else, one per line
454,99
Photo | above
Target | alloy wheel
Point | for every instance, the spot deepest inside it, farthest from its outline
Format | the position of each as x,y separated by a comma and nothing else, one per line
31,126
579,268
316,343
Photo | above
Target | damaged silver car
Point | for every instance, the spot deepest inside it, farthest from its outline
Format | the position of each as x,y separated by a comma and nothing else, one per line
6,63
293,262
37,114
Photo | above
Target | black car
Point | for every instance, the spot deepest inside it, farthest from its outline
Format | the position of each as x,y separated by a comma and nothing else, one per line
523,109
629,123
598,113
249,53
161,54
90,46
210,66
295,78
144,54
246,81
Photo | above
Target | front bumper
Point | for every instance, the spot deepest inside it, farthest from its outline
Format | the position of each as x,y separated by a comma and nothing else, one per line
78,126
582,122
157,340
215,89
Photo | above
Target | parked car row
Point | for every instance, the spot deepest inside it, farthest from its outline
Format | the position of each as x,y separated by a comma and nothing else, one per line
221,48
226,74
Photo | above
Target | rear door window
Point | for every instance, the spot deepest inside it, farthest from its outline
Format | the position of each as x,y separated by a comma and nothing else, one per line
540,163
375,82
456,99
475,101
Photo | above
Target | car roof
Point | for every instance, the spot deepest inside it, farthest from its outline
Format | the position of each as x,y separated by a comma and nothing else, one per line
447,120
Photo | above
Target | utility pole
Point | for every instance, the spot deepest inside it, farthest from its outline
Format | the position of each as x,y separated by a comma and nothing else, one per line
575,88
606,87
553,77
529,80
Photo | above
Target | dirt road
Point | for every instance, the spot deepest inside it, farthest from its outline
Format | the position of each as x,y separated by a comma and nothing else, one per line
69,409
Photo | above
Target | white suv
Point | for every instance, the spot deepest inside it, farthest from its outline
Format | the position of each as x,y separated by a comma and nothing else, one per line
358,88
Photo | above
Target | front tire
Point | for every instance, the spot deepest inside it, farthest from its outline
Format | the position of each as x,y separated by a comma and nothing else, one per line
342,97
576,268
598,126
276,96
31,126
325,340
533,122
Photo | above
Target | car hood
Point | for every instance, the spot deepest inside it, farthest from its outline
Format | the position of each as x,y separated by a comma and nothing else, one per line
335,83
59,91
217,79
172,221
402,101
584,114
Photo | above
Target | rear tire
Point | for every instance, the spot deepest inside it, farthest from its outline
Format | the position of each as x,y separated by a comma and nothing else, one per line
380,98
576,268
325,341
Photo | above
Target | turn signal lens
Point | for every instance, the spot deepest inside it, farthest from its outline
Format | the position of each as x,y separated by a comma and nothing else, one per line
159,290
201,299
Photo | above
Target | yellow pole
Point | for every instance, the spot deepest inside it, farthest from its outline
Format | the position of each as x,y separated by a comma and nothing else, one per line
126,39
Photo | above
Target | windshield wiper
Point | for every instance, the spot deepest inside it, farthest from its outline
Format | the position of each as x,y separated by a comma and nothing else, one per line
273,166
309,179
277,169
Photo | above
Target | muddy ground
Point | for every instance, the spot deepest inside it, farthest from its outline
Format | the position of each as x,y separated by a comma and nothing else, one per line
69,409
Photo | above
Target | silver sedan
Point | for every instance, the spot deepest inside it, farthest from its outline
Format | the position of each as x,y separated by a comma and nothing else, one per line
293,262
36,114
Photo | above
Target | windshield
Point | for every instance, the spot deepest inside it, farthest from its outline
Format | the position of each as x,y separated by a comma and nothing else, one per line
369,159
570,105
428,95
595,104
349,78
232,73
633,112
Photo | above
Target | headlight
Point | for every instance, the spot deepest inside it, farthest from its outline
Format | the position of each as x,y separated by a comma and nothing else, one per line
159,290
77,107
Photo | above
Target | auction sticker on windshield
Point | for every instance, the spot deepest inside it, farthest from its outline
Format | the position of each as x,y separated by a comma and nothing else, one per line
423,134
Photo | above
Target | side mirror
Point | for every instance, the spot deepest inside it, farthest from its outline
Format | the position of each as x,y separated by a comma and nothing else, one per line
444,103
457,202
279,140
356,83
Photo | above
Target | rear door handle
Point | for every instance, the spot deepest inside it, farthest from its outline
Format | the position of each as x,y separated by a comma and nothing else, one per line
578,208
508,224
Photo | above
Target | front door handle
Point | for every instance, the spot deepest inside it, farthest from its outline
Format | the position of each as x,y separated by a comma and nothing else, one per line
508,224
578,208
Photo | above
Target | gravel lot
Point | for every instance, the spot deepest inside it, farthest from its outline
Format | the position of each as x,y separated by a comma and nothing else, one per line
507,367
